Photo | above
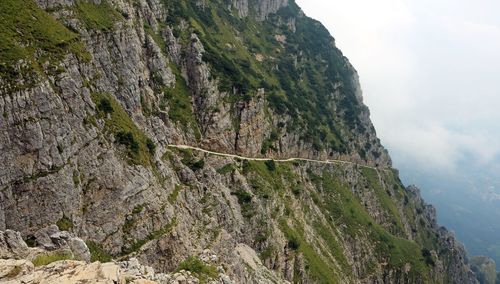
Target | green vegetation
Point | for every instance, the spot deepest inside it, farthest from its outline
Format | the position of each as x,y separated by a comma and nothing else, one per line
243,196
228,168
151,146
172,198
138,209
268,176
386,201
190,160
271,165
244,55
201,270
97,16
31,34
97,253
180,105
245,201
127,138
104,105
319,268
177,97
333,246
65,224
48,258
138,244
343,205
269,143
13,272
118,123
31,241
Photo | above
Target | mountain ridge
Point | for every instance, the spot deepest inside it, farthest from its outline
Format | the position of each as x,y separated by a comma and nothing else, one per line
113,83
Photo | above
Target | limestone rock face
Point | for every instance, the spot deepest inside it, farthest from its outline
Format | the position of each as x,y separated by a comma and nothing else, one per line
131,271
12,245
261,8
11,269
90,170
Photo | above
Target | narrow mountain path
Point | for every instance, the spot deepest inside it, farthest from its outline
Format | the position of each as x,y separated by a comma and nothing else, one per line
185,147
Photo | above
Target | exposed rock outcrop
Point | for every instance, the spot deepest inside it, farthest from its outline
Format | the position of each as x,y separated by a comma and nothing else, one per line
86,146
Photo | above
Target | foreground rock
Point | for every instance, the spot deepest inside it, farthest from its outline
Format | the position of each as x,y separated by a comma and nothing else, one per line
71,271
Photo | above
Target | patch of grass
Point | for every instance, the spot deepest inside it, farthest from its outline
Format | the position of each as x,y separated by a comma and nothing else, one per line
65,224
228,168
31,34
180,104
386,201
127,138
104,105
138,209
271,165
201,270
97,253
97,16
243,196
137,245
319,268
172,198
51,257
333,246
345,207
267,252
118,123
190,160
14,272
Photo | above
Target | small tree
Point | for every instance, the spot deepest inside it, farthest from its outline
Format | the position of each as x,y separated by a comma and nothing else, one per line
151,146
105,106
271,165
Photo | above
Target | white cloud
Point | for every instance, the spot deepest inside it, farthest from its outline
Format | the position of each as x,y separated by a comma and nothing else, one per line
429,72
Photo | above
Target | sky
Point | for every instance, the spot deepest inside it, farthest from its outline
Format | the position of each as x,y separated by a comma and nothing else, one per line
430,73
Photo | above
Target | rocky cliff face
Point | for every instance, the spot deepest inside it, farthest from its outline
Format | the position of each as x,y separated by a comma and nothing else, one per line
94,93
485,269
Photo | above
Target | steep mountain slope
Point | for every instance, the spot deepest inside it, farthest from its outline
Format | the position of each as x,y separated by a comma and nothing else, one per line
94,92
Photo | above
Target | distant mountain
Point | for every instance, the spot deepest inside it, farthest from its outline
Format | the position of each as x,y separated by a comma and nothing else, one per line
467,202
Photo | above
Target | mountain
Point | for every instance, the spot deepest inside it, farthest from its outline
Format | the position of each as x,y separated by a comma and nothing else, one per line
485,269
472,210
212,140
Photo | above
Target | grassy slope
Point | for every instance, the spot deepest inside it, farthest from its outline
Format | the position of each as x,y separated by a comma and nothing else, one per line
29,33
117,121
323,253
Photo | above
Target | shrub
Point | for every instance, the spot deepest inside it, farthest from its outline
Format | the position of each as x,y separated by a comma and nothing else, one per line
428,257
52,257
151,146
127,138
199,268
65,224
271,165
293,243
198,165
243,196
97,253
126,132
105,105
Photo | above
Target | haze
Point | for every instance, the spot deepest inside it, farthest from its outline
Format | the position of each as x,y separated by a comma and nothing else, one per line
430,73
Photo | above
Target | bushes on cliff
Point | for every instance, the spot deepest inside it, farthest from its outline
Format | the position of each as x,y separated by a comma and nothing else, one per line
199,268
120,125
